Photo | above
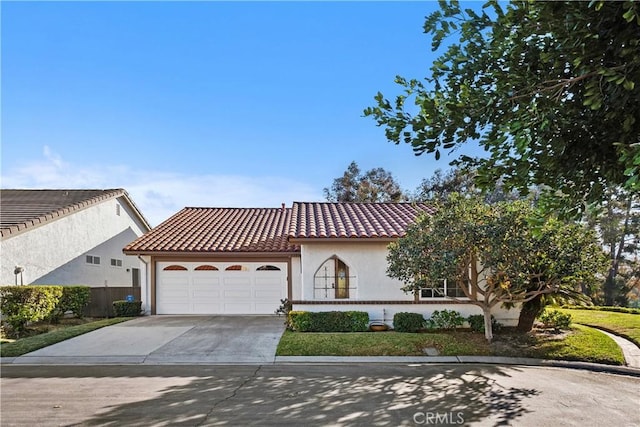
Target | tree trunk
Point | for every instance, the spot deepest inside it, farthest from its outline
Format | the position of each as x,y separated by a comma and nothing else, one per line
488,330
530,310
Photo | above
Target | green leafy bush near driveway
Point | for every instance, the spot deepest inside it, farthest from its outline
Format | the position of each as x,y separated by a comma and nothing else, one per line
24,304
328,321
74,299
123,308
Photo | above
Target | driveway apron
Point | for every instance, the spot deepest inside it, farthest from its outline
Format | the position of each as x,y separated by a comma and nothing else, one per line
170,340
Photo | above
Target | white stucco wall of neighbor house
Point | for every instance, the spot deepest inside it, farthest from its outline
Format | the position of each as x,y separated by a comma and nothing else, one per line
56,253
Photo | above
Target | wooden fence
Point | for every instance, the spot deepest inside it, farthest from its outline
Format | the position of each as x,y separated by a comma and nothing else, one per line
102,298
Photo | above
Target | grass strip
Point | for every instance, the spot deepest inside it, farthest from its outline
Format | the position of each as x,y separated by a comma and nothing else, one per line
29,344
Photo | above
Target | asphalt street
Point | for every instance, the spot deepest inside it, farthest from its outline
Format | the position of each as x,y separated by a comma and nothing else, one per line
315,395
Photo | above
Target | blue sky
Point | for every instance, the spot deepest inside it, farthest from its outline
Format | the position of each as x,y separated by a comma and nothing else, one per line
204,103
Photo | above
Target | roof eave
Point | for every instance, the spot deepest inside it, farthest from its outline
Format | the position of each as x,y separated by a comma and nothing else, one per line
201,254
300,240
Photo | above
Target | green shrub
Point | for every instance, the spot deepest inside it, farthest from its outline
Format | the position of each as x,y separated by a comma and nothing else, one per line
299,320
329,321
24,304
127,308
74,299
476,323
408,322
445,319
555,319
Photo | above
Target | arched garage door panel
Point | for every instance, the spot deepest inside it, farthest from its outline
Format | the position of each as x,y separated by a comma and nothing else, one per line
192,291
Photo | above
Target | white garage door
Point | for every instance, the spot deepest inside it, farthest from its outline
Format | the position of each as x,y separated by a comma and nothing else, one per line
220,288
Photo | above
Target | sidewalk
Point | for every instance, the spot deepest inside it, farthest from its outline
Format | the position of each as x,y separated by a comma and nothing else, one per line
630,350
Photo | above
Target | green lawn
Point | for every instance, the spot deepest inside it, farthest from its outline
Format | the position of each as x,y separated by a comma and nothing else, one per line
35,342
581,343
379,344
623,324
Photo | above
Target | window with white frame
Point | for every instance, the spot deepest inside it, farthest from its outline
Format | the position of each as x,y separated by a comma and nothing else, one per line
447,289
116,262
92,259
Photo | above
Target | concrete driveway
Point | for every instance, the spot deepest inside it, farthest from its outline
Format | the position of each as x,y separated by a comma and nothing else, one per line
170,339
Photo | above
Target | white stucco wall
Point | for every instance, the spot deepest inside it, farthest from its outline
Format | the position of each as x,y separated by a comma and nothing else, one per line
369,282
367,270
296,278
55,253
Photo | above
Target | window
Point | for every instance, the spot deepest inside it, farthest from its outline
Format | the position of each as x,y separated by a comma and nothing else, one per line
332,280
449,288
92,259
205,267
237,267
116,262
175,268
118,210
267,268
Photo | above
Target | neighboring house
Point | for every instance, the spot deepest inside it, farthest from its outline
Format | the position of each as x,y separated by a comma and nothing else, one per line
321,256
69,237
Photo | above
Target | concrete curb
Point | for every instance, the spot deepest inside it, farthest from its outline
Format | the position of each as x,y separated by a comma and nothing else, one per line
481,360
328,360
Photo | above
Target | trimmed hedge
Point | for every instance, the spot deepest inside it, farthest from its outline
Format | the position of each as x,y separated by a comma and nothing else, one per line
74,299
328,321
123,308
23,304
408,322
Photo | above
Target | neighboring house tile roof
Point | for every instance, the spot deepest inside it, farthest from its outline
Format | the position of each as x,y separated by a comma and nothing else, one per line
219,230
353,220
24,209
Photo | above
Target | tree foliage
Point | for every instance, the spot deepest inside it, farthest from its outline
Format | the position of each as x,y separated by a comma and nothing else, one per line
618,224
375,185
495,253
462,181
551,90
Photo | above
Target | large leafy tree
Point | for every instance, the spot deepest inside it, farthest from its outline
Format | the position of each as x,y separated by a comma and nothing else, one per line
618,224
495,254
459,180
374,185
551,90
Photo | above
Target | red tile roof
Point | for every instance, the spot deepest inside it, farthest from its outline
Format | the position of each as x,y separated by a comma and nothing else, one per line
21,210
353,220
219,230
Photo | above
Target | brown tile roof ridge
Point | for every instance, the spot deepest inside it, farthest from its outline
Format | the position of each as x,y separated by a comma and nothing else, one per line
22,209
354,219
219,230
